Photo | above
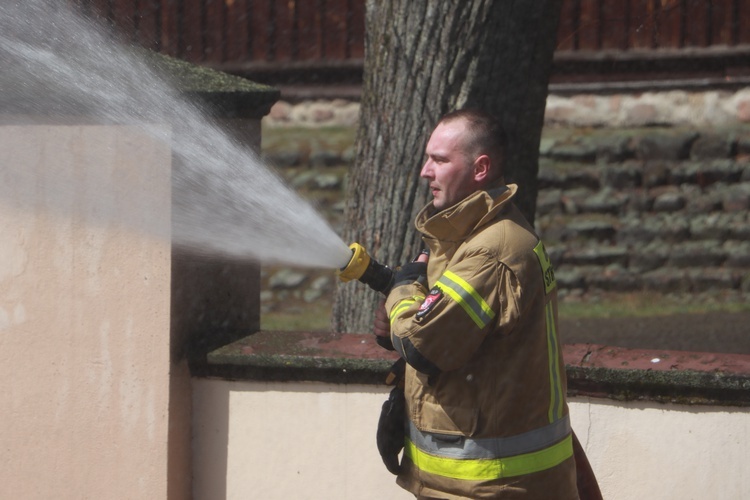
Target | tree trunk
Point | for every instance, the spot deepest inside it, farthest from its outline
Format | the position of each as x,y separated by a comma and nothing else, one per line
424,58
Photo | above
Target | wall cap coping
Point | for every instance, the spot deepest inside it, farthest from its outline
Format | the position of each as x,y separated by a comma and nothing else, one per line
228,96
681,377
223,95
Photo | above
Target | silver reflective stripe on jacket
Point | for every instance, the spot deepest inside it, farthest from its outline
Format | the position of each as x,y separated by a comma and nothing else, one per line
487,448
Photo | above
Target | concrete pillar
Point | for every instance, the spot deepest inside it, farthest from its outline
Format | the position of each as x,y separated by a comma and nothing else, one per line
84,312
99,316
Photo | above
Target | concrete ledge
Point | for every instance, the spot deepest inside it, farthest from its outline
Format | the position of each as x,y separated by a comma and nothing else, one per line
665,376
298,356
598,371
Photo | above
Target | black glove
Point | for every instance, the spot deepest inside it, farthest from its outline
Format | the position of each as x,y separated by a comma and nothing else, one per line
391,432
385,343
411,272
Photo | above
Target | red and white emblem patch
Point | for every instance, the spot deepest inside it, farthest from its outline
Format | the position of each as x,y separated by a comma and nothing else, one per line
429,302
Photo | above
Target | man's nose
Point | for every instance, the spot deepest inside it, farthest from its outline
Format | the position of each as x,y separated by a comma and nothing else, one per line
426,172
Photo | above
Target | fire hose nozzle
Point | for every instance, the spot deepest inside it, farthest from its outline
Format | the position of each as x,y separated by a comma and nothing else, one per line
364,268
357,265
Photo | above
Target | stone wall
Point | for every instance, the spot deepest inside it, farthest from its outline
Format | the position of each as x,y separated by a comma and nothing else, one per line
670,108
661,208
656,200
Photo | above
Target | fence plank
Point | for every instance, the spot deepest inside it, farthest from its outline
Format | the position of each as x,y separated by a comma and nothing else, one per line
698,19
261,33
309,30
641,33
743,21
280,31
170,28
285,37
334,29
147,24
123,17
669,24
213,34
615,24
721,23
589,32
356,23
237,30
191,30
567,28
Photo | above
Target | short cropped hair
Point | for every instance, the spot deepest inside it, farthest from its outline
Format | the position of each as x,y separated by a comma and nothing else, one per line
486,137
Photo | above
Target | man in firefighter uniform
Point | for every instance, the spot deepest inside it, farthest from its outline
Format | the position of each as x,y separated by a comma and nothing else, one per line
477,326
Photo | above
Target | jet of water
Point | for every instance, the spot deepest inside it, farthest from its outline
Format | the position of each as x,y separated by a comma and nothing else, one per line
56,62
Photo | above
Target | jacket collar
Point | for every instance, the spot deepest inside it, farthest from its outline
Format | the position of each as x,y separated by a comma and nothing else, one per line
459,221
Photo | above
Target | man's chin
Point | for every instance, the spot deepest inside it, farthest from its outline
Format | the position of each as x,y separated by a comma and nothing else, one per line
440,202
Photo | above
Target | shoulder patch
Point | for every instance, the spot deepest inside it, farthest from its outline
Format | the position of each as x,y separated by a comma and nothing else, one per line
548,272
429,302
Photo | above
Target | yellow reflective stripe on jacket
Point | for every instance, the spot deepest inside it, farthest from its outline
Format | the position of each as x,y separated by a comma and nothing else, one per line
403,306
553,353
467,297
494,468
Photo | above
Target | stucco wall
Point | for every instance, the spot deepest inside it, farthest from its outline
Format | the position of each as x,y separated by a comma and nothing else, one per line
316,441
84,312
275,440
649,450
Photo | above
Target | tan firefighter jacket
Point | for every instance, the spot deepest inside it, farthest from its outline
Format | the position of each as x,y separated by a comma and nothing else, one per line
485,381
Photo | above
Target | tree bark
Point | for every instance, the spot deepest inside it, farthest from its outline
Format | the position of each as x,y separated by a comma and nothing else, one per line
424,58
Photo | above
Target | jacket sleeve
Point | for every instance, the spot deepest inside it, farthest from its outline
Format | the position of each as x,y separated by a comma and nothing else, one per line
441,329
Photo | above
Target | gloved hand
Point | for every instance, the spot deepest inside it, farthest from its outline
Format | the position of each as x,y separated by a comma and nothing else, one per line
391,430
381,327
411,272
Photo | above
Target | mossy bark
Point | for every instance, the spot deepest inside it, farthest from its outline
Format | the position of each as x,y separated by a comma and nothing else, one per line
423,59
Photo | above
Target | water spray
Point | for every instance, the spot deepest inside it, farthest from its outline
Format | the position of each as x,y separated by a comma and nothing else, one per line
226,200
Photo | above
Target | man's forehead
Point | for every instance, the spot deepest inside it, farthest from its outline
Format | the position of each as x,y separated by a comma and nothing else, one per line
446,136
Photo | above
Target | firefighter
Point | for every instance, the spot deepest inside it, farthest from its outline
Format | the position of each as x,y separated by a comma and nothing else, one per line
476,323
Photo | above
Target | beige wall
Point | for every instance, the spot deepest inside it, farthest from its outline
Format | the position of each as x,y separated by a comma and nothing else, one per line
316,441
645,450
84,312
282,441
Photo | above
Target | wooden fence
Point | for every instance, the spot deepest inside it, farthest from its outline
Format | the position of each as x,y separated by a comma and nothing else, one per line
253,37
626,25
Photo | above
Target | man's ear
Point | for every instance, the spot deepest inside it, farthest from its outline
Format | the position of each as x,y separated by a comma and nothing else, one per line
482,169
